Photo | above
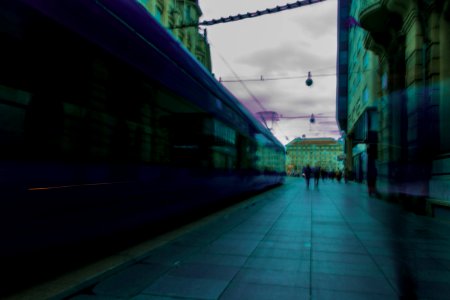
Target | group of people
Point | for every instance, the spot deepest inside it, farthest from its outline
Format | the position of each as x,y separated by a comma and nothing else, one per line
317,172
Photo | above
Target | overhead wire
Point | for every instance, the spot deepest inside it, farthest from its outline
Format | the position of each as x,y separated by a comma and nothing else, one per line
262,78
246,88
252,15
248,15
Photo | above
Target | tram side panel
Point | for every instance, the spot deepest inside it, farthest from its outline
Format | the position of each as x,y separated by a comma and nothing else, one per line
87,149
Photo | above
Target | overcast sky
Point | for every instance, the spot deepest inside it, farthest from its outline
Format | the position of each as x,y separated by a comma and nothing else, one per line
285,44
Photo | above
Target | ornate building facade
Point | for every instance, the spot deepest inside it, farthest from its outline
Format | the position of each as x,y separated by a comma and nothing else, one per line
410,39
171,13
324,152
363,91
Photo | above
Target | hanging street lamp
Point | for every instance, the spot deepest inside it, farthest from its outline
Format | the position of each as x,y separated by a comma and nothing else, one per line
309,80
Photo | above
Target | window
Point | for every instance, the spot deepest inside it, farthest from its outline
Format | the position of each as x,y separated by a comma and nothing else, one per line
365,95
187,13
366,59
158,14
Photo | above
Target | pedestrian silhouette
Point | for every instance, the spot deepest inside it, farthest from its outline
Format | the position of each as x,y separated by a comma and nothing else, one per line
307,174
371,178
316,176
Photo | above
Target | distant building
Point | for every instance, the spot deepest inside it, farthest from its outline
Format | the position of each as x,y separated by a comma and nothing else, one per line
171,13
324,152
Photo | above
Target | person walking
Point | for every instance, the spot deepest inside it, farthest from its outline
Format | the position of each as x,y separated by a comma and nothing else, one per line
323,174
338,175
307,174
316,176
372,178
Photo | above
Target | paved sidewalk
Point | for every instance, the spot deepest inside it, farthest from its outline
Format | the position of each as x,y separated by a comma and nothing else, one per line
333,242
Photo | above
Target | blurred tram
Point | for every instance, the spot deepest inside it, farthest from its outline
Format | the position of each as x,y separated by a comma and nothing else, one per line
108,124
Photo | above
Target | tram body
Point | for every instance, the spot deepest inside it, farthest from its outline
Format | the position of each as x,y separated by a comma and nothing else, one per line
108,124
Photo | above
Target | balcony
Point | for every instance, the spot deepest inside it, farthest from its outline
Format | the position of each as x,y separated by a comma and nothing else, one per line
373,15
366,4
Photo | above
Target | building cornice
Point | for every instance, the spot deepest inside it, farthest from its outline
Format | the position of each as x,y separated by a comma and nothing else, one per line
370,13
370,44
401,7
446,10
410,18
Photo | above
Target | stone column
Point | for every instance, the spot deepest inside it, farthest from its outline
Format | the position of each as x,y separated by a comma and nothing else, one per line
440,181
444,86
418,121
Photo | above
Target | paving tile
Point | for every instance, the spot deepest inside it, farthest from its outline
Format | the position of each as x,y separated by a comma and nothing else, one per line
444,255
199,288
278,264
152,297
321,294
340,248
130,281
271,252
170,254
333,234
323,226
336,221
292,223
252,291
432,290
413,263
282,238
337,241
300,245
297,229
395,252
195,239
231,247
208,271
341,257
348,283
444,262
291,243
274,277
251,229
397,272
217,259
302,232
341,268
243,236
92,297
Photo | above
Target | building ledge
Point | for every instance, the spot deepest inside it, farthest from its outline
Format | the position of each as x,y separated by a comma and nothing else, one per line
370,44
373,15
438,208
439,202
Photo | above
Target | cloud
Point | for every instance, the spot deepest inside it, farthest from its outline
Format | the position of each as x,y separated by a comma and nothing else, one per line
287,44
289,99
319,22
286,58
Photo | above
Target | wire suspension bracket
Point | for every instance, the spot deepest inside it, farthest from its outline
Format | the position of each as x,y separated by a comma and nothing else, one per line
257,13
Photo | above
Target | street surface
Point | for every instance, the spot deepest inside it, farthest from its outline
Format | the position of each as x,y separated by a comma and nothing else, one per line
330,242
